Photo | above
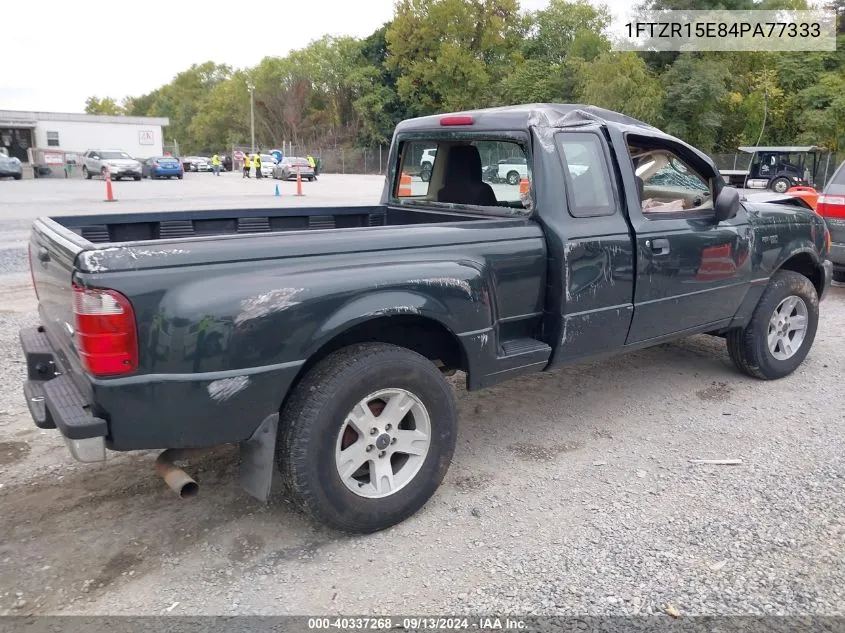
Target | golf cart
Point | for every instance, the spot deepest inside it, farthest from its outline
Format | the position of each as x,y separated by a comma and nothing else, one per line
776,168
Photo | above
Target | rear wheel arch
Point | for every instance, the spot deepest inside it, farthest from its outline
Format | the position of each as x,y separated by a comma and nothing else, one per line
422,334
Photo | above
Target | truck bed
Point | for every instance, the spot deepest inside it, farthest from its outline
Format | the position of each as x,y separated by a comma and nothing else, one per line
133,227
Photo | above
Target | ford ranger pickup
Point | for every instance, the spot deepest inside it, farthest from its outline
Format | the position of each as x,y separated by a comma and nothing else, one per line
319,339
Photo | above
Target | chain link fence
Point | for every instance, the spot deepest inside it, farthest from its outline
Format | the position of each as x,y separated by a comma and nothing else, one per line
332,160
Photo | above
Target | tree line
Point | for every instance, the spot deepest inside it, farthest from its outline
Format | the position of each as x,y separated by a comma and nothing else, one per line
443,55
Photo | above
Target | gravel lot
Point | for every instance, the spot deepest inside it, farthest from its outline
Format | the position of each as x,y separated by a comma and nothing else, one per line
571,492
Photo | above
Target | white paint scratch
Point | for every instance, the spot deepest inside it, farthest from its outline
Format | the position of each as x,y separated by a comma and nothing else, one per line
225,388
483,338
267,303
445,282
161,253
396,310
93,261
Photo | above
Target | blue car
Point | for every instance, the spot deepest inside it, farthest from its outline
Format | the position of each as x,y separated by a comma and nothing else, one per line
162,167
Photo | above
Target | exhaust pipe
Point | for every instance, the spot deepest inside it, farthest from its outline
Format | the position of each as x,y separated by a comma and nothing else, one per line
176,478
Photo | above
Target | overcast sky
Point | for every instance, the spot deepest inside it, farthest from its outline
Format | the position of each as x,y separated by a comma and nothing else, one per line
56,53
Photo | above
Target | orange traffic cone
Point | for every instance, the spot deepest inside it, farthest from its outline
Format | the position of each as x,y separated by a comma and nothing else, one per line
109,194
523,186
404,186
298,182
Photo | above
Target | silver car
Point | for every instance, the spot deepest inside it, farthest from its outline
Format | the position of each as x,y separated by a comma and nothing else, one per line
118,162
10,167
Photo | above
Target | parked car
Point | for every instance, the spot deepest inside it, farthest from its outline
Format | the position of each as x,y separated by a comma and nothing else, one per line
10,167
319,338
268,163
119,163
286,170
196,163
831,206
162,167
512,170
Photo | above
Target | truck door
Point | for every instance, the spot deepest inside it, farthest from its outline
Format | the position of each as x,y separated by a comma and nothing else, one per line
691,272
591,261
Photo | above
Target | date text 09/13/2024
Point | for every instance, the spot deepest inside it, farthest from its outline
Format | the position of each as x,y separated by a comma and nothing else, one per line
430,623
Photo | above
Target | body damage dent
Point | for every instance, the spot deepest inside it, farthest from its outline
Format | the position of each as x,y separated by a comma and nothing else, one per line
267,303
225,388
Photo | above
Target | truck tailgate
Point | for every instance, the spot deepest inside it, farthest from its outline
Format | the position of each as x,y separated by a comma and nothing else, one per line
52,252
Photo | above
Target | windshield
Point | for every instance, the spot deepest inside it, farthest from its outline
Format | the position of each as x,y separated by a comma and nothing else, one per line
114,155
266,158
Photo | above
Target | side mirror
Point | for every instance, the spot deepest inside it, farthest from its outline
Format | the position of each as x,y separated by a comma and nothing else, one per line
727,204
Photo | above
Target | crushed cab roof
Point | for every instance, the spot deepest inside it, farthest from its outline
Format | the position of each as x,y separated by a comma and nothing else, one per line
786,149
559,115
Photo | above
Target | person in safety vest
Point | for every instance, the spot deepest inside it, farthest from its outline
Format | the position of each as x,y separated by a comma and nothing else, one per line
215,164
256,161
246,165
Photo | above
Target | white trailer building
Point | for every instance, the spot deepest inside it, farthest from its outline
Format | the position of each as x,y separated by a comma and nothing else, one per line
53,139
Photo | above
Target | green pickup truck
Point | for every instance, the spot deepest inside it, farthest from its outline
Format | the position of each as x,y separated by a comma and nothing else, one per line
318,339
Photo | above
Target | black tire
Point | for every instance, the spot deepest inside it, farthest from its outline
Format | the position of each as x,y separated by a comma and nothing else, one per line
18,176
779,185
313,417
88,175
426,166
425,175
513,177
137,178
748,347
839,276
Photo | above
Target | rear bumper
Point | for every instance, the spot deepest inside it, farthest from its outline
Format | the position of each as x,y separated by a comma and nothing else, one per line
55,401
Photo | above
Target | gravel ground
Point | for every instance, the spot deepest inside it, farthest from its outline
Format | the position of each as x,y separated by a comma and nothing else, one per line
571,492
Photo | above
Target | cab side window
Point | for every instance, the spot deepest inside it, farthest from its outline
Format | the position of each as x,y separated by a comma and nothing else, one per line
587,182
667,183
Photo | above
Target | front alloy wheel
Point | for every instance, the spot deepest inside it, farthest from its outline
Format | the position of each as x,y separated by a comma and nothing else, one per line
787,327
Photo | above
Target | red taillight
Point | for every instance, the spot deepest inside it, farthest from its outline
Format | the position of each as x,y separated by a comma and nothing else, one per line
459,119
31,269
831,206
105,331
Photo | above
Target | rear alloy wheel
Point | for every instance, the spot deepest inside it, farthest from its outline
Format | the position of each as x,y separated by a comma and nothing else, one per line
513,178
781,331
367,437
425,175
88,175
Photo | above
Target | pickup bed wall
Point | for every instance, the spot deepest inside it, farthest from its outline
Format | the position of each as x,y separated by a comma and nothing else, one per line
102,229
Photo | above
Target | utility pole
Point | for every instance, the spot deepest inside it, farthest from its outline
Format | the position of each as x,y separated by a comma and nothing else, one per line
251,89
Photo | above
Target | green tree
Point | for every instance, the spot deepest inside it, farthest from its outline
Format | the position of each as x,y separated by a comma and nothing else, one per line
621,82
696,91
450,54
106,105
